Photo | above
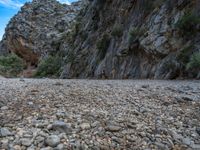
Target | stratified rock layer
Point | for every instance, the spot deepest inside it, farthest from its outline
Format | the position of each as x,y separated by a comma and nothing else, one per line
36,29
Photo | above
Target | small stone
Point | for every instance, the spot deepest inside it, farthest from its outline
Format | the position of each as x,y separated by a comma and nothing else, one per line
31,148
4,144
17,147
46,148
62,127
85,126
22,79
60,147
104,147
186,141
145,86
5,132
113,128
52,140
198,130
58,84
4,108
26,142
161,146
30,103
49,127
196,146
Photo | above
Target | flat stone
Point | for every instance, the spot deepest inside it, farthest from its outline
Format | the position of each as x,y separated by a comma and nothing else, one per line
47,148
187,141
60,147
5,132
26,142
31,148
85,126
4,108
62,127
52,140
4,144
113,128
17,147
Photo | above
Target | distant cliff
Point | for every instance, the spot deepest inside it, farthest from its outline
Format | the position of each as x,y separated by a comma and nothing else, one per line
112,39
35,29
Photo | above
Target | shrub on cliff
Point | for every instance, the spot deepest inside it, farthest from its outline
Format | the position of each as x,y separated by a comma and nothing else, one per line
102,45
117,31
194,62
11,65
134,33
187,24
49,67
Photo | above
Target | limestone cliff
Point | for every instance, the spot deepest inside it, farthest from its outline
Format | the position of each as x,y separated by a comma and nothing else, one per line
35,30
135,39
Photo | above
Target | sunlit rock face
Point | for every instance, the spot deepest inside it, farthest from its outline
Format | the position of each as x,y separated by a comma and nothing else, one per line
34,30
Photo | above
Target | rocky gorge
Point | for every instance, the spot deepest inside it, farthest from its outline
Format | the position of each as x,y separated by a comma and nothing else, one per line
85,44
112,39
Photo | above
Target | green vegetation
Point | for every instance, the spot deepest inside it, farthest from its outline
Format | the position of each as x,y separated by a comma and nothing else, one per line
187,24
70,57
184,55
102,45
49,66
134,33
11,65
151,5
194,62
117,31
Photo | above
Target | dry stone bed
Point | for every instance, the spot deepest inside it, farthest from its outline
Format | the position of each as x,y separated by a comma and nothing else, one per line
44,114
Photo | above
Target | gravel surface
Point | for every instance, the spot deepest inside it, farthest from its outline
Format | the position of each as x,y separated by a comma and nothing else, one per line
49,114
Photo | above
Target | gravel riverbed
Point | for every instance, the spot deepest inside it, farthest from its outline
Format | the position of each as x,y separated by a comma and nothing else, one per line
47,114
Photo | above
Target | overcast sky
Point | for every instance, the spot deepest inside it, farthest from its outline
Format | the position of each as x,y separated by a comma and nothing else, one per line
8,8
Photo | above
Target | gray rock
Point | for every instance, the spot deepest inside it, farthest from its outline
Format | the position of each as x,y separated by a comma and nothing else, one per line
4,108
47,148
113,128
85,126
26,142
59,147
198,130
62,127
4,143
31,148
52,140
187,141
5,132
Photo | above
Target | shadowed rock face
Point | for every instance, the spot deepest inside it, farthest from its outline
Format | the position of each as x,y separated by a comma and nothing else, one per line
31,33
149,52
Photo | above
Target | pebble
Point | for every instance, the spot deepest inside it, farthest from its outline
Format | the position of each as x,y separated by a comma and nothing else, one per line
52,140
85,126
113,128
4,108
62,127
5,132
89,114
26,142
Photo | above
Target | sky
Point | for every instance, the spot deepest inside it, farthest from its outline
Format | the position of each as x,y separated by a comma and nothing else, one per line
8,8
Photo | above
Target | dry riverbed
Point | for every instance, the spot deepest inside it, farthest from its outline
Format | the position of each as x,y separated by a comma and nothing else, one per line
49,114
